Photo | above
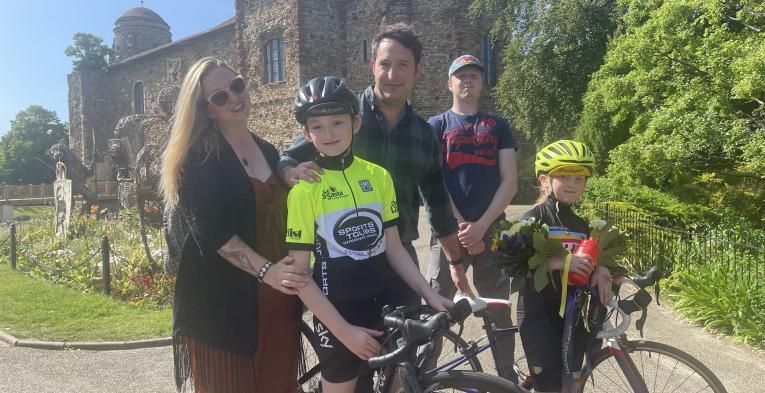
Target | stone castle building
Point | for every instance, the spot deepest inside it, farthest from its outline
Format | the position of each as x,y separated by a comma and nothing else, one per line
277,45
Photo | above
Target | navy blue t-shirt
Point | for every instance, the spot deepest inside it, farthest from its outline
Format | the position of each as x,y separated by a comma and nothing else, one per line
471,147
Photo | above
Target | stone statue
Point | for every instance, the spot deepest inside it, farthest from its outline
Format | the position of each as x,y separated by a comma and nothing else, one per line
138,175
62,193
75,170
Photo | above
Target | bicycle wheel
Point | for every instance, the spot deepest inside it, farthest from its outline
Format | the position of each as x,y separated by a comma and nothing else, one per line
467,381
662,367
309,377
451,348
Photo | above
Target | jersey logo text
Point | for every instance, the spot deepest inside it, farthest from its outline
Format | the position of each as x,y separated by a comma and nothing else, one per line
294,234
365,185
332,193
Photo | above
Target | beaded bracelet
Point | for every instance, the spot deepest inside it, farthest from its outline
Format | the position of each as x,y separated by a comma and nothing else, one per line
263,269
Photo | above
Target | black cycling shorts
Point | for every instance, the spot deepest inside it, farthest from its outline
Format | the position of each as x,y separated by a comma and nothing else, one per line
338,363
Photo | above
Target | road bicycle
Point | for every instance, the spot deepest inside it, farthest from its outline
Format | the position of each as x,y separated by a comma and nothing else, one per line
620,365
408,330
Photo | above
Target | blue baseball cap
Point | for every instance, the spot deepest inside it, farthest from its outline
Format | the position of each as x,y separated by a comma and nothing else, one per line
464,61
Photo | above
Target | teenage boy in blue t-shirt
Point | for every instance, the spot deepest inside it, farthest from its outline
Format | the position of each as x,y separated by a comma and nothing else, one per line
480,174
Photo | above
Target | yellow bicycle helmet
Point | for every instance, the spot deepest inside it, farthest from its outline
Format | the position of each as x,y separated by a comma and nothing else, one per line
565,157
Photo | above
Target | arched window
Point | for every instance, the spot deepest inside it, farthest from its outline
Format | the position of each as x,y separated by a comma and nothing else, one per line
138,107
274,58
487,58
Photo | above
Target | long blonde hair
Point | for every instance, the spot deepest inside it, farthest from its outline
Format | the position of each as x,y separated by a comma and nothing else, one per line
190,125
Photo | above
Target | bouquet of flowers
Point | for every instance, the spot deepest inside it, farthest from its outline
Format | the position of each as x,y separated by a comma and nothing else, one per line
524,247
612,243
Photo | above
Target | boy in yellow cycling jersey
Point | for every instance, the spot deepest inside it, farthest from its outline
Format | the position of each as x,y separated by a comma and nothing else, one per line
348,220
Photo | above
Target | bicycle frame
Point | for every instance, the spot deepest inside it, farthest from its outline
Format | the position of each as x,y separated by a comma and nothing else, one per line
491,335
627,366
612,342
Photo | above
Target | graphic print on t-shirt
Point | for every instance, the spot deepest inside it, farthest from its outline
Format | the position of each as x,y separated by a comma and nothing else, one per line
356,230
471,143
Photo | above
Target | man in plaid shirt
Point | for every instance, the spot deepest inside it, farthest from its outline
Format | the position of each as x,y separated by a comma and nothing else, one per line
393,136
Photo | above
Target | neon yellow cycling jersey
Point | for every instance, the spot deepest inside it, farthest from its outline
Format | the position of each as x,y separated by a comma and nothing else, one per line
348,210
342,219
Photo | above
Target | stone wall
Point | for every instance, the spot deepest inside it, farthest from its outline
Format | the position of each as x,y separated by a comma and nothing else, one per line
320,37
99,99
262,20
444,29
88,109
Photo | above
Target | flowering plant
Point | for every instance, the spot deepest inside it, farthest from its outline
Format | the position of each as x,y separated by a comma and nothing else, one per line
523,246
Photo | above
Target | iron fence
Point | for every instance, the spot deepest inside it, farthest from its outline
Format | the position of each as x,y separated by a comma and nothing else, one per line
737,254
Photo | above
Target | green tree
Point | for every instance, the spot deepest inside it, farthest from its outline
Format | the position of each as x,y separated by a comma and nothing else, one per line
22,148
551,49
88,51
679,104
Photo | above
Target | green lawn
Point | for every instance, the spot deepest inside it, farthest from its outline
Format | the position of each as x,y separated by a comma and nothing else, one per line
33,211
32,309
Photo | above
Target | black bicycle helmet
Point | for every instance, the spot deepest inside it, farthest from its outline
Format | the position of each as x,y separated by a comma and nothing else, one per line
324,96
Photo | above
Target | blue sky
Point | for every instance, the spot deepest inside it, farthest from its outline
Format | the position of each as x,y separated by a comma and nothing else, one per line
35,33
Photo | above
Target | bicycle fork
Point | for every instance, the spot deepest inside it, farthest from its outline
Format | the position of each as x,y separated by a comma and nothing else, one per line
395,378
628,367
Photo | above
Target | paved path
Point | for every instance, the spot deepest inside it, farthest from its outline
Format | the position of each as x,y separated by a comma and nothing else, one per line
150,370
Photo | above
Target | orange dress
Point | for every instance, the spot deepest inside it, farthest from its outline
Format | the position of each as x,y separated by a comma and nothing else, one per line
278,313
273,368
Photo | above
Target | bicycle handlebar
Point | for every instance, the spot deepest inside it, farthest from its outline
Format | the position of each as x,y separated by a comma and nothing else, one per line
639,302
415,332
623,326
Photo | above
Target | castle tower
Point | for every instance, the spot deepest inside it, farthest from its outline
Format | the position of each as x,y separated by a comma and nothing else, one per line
138,30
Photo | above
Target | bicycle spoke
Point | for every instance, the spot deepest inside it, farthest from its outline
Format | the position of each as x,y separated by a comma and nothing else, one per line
623,386
662,368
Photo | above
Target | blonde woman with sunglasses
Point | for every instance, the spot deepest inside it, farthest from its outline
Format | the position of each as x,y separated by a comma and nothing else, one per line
235,315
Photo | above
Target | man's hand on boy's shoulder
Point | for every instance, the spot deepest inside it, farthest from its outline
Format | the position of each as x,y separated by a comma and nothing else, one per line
308,171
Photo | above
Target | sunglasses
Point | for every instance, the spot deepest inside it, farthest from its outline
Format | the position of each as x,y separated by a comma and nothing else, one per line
221,97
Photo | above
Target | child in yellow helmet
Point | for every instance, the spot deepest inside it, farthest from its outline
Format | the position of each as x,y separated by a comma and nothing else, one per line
562,168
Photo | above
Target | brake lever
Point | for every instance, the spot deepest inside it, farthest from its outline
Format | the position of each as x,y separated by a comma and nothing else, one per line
657,289
640,323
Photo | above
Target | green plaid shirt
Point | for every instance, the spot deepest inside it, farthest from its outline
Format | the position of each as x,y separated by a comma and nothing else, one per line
411,153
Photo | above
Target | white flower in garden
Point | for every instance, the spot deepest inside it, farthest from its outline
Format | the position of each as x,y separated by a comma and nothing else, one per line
598,223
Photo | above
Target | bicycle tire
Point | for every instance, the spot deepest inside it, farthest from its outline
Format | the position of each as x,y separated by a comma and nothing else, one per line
309,376
467,381
662,367
452,347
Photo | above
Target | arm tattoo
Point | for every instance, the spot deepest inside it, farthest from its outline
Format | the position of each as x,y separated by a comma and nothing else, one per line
235,251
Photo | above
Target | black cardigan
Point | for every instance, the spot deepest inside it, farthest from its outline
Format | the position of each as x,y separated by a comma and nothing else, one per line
215,302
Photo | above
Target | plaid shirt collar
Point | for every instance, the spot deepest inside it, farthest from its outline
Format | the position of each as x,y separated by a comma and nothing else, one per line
369,97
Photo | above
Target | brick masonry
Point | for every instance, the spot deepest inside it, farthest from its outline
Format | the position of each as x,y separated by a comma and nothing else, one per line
320,37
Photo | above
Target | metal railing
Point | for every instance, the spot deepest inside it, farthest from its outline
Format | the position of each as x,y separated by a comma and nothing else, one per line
43,191
739,254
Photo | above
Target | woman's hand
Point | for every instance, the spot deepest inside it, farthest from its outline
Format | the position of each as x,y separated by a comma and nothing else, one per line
601,279
286,277
437,301
361,341
308,171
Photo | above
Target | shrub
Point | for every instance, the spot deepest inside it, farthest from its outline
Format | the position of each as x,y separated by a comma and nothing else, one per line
75,260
